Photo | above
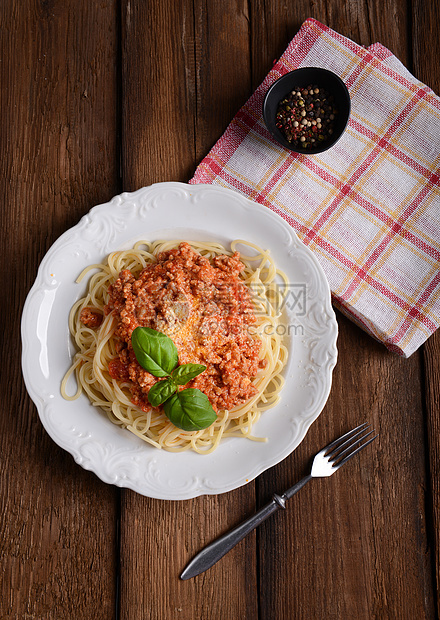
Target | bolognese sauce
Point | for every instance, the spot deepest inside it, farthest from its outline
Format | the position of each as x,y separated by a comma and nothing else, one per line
90,317
203,305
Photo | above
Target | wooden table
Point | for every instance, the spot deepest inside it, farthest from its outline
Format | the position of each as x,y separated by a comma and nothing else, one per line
109,96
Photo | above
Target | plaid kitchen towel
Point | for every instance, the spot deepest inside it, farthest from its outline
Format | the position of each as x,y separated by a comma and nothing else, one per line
369,207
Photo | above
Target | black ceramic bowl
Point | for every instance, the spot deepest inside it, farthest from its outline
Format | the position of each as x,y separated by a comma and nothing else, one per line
306,76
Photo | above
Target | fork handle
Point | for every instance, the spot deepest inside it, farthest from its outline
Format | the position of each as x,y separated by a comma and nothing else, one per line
296,487
217,549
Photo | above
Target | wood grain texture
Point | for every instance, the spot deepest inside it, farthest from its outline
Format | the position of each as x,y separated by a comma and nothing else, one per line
158,92
274,24
189,77
426,49
432,490
364,529
222,62
425,19
425,39
58,132
354,536
103,97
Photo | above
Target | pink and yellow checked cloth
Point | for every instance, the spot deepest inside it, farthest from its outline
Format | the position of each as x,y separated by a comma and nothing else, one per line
369,208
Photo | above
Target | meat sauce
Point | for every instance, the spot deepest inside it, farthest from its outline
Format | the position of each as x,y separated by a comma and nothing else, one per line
205,308
90,317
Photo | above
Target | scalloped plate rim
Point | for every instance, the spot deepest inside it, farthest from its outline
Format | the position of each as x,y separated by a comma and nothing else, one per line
199,196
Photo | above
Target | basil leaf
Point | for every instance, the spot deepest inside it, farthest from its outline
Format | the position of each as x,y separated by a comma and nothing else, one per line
160,391
155,352
190,410
184,373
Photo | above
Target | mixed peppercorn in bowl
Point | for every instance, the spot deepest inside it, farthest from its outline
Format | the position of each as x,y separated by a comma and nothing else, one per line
307,110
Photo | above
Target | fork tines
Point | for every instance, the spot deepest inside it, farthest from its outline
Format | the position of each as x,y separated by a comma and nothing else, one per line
344,448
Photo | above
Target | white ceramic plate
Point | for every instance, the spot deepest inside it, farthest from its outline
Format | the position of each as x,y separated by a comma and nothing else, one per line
192,212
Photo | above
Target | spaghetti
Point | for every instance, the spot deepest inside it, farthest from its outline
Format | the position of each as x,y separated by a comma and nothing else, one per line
98,332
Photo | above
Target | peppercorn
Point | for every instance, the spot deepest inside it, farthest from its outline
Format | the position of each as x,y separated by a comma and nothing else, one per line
305,115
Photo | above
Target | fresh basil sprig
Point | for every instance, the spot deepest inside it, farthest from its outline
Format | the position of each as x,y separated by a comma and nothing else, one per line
184,373
154,351
187,409
190,410
161,391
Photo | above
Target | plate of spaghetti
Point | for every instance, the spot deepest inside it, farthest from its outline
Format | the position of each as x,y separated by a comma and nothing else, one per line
179,340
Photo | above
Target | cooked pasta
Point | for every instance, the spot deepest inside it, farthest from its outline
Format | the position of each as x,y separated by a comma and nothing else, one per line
95,326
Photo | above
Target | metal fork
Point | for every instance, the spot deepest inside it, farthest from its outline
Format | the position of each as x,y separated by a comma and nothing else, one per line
325,463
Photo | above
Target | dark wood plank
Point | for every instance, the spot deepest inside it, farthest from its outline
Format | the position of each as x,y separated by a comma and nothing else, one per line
191,74
363,544
432,489
158,88
425,53
354,535
58,132
276,23
223,76
341,549
425,36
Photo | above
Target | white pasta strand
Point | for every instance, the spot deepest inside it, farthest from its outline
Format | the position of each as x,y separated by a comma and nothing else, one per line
96,348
